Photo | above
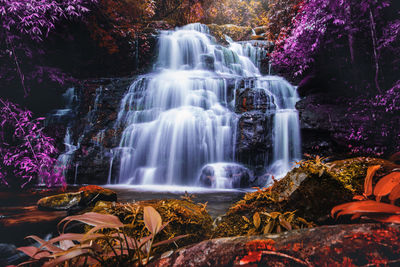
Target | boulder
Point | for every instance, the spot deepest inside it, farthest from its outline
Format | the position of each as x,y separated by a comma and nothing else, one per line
258,37
253,100
237,33
254,140
225,175
312,190
339,245
208,62
9,255
260,30
76,201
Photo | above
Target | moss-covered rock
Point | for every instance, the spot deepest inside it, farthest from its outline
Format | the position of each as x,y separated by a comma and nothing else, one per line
237,33
312,189
76,201
184,217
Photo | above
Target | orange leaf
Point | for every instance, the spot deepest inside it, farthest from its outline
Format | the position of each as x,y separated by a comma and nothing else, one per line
364,207
386,184
70,255
395,194
387,219
256,220
71,237
358,197
95,219
368,179
34,252
49,247
152,220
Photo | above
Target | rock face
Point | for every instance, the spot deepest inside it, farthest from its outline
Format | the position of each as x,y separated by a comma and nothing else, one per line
339,245
331,124
254,140
92,130
76,201
253,100
323,124
237,33
254,132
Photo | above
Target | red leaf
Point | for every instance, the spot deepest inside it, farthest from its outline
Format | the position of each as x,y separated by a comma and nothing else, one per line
386,184
95,219
395,194
386,219
50,247
358,197
364,207
368,179
70,255
34,252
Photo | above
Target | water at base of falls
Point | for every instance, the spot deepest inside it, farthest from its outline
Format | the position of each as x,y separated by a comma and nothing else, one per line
179,119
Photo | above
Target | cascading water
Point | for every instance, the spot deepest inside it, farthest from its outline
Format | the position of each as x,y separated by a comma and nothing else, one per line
179,118
58,116
286,131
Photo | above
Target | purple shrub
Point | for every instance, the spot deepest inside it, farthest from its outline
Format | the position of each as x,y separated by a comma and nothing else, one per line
28,155
24,25
379,112
325,30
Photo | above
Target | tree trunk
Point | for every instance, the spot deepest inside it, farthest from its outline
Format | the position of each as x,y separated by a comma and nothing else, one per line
375,48
350,39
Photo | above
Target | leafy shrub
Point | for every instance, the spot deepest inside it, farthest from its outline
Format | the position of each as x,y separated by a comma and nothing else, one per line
107,242
374,209
26,152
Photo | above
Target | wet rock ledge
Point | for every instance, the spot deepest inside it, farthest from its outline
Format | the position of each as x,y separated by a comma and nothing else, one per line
339,245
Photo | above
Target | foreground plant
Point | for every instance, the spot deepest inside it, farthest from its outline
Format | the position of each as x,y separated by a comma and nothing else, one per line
366,208
275,222
106,243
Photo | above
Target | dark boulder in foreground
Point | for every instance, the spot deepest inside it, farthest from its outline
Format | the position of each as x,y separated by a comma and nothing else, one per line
339,245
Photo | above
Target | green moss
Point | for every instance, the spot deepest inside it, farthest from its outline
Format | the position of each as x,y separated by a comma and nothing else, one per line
60,202
351,172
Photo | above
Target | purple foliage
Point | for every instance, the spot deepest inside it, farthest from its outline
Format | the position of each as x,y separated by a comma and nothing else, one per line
379,112
322,25
353,47
24,25
27,153
36,18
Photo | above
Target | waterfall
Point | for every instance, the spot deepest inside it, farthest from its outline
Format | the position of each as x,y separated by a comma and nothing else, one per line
179,118
286,132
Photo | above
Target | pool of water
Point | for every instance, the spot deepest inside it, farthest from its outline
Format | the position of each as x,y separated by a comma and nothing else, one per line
219,200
